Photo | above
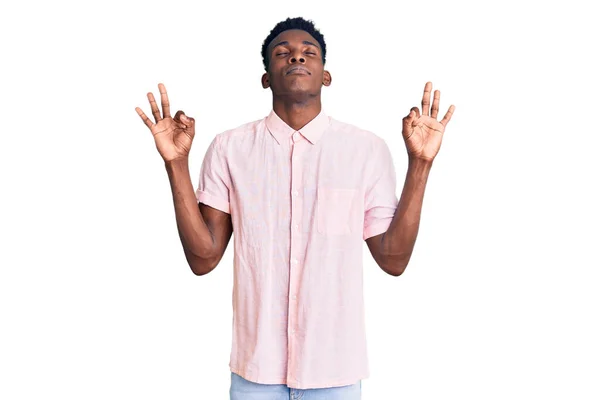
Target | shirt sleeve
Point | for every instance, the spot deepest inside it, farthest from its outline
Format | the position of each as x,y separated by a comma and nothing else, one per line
214,182
380,194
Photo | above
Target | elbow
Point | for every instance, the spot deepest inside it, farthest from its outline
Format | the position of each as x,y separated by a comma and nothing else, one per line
396,266
398,271
200,265
201,268
395,270
198,271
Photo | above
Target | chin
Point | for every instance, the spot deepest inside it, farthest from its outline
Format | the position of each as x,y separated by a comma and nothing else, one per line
299,90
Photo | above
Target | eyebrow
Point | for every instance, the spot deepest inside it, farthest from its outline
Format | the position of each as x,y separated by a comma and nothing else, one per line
285,42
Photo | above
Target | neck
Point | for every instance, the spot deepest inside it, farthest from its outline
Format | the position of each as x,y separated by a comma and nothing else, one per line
297,113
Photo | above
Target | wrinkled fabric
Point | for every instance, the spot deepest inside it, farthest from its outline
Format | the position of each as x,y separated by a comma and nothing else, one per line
302,203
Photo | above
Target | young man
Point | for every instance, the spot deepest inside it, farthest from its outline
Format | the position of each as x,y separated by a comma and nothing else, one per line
302,191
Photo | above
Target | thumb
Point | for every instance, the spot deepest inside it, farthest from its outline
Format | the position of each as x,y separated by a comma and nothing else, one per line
187,120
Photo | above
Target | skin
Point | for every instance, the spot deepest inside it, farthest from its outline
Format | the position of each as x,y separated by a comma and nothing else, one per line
205,232
296,96
422,134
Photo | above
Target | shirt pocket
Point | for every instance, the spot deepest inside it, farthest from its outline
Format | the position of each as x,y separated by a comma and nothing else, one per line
337,211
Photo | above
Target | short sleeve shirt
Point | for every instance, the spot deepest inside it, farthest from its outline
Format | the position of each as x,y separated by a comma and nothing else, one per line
301,203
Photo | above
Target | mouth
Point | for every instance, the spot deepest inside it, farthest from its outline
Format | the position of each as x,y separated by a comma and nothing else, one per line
298,71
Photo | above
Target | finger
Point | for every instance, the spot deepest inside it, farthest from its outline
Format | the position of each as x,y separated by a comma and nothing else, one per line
164,100
182,119
154,107
144,117
407,122
178,115
417,121
436,104
448,116
417,112
426,98
186,121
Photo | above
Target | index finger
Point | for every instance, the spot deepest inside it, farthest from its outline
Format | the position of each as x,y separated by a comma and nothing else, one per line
164,101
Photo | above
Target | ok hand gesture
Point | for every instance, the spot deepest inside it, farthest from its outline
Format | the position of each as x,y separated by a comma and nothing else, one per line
423,133
173,136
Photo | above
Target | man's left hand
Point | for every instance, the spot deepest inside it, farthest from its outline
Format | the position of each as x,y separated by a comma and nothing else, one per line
422,132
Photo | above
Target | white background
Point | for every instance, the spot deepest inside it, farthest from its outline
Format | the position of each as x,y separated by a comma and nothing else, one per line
500,299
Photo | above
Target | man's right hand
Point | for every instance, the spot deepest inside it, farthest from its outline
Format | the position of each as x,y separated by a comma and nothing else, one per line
173,136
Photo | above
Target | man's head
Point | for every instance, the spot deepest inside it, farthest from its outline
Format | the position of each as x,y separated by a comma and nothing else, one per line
294,59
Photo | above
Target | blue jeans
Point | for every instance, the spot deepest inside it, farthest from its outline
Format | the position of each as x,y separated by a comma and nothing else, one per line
242,389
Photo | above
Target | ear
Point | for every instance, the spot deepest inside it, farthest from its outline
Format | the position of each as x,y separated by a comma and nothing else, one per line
265,80
326,78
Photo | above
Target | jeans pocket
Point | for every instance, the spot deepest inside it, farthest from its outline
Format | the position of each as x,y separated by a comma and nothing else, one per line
337,211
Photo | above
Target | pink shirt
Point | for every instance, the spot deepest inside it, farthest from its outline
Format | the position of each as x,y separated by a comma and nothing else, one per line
301,204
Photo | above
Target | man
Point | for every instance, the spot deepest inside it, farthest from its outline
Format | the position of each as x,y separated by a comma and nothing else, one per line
302,191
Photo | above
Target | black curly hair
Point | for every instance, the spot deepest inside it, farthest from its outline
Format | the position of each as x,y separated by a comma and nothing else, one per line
293,23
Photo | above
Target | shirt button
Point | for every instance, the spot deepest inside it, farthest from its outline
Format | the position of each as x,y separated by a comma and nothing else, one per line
294,297
297,226
293,331
295,261
295,193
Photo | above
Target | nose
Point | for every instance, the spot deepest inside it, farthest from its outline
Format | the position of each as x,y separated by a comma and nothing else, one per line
297,58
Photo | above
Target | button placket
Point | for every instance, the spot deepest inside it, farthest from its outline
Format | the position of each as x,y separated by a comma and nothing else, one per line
295,240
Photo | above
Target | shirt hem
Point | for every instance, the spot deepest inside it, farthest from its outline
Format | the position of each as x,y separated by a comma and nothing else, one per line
283,381
377,228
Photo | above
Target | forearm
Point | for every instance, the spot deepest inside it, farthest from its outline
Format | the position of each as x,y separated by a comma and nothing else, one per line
399,240
195,235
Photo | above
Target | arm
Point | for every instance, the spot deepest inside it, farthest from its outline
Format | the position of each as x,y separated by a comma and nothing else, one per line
204,231
392,250
423,137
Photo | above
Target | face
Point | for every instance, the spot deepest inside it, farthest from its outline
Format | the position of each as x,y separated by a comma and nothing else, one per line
295,65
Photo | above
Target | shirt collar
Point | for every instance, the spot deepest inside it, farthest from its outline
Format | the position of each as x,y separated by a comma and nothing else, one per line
312,131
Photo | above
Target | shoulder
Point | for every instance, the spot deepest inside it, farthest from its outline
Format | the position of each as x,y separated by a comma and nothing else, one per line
228,137
364,137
